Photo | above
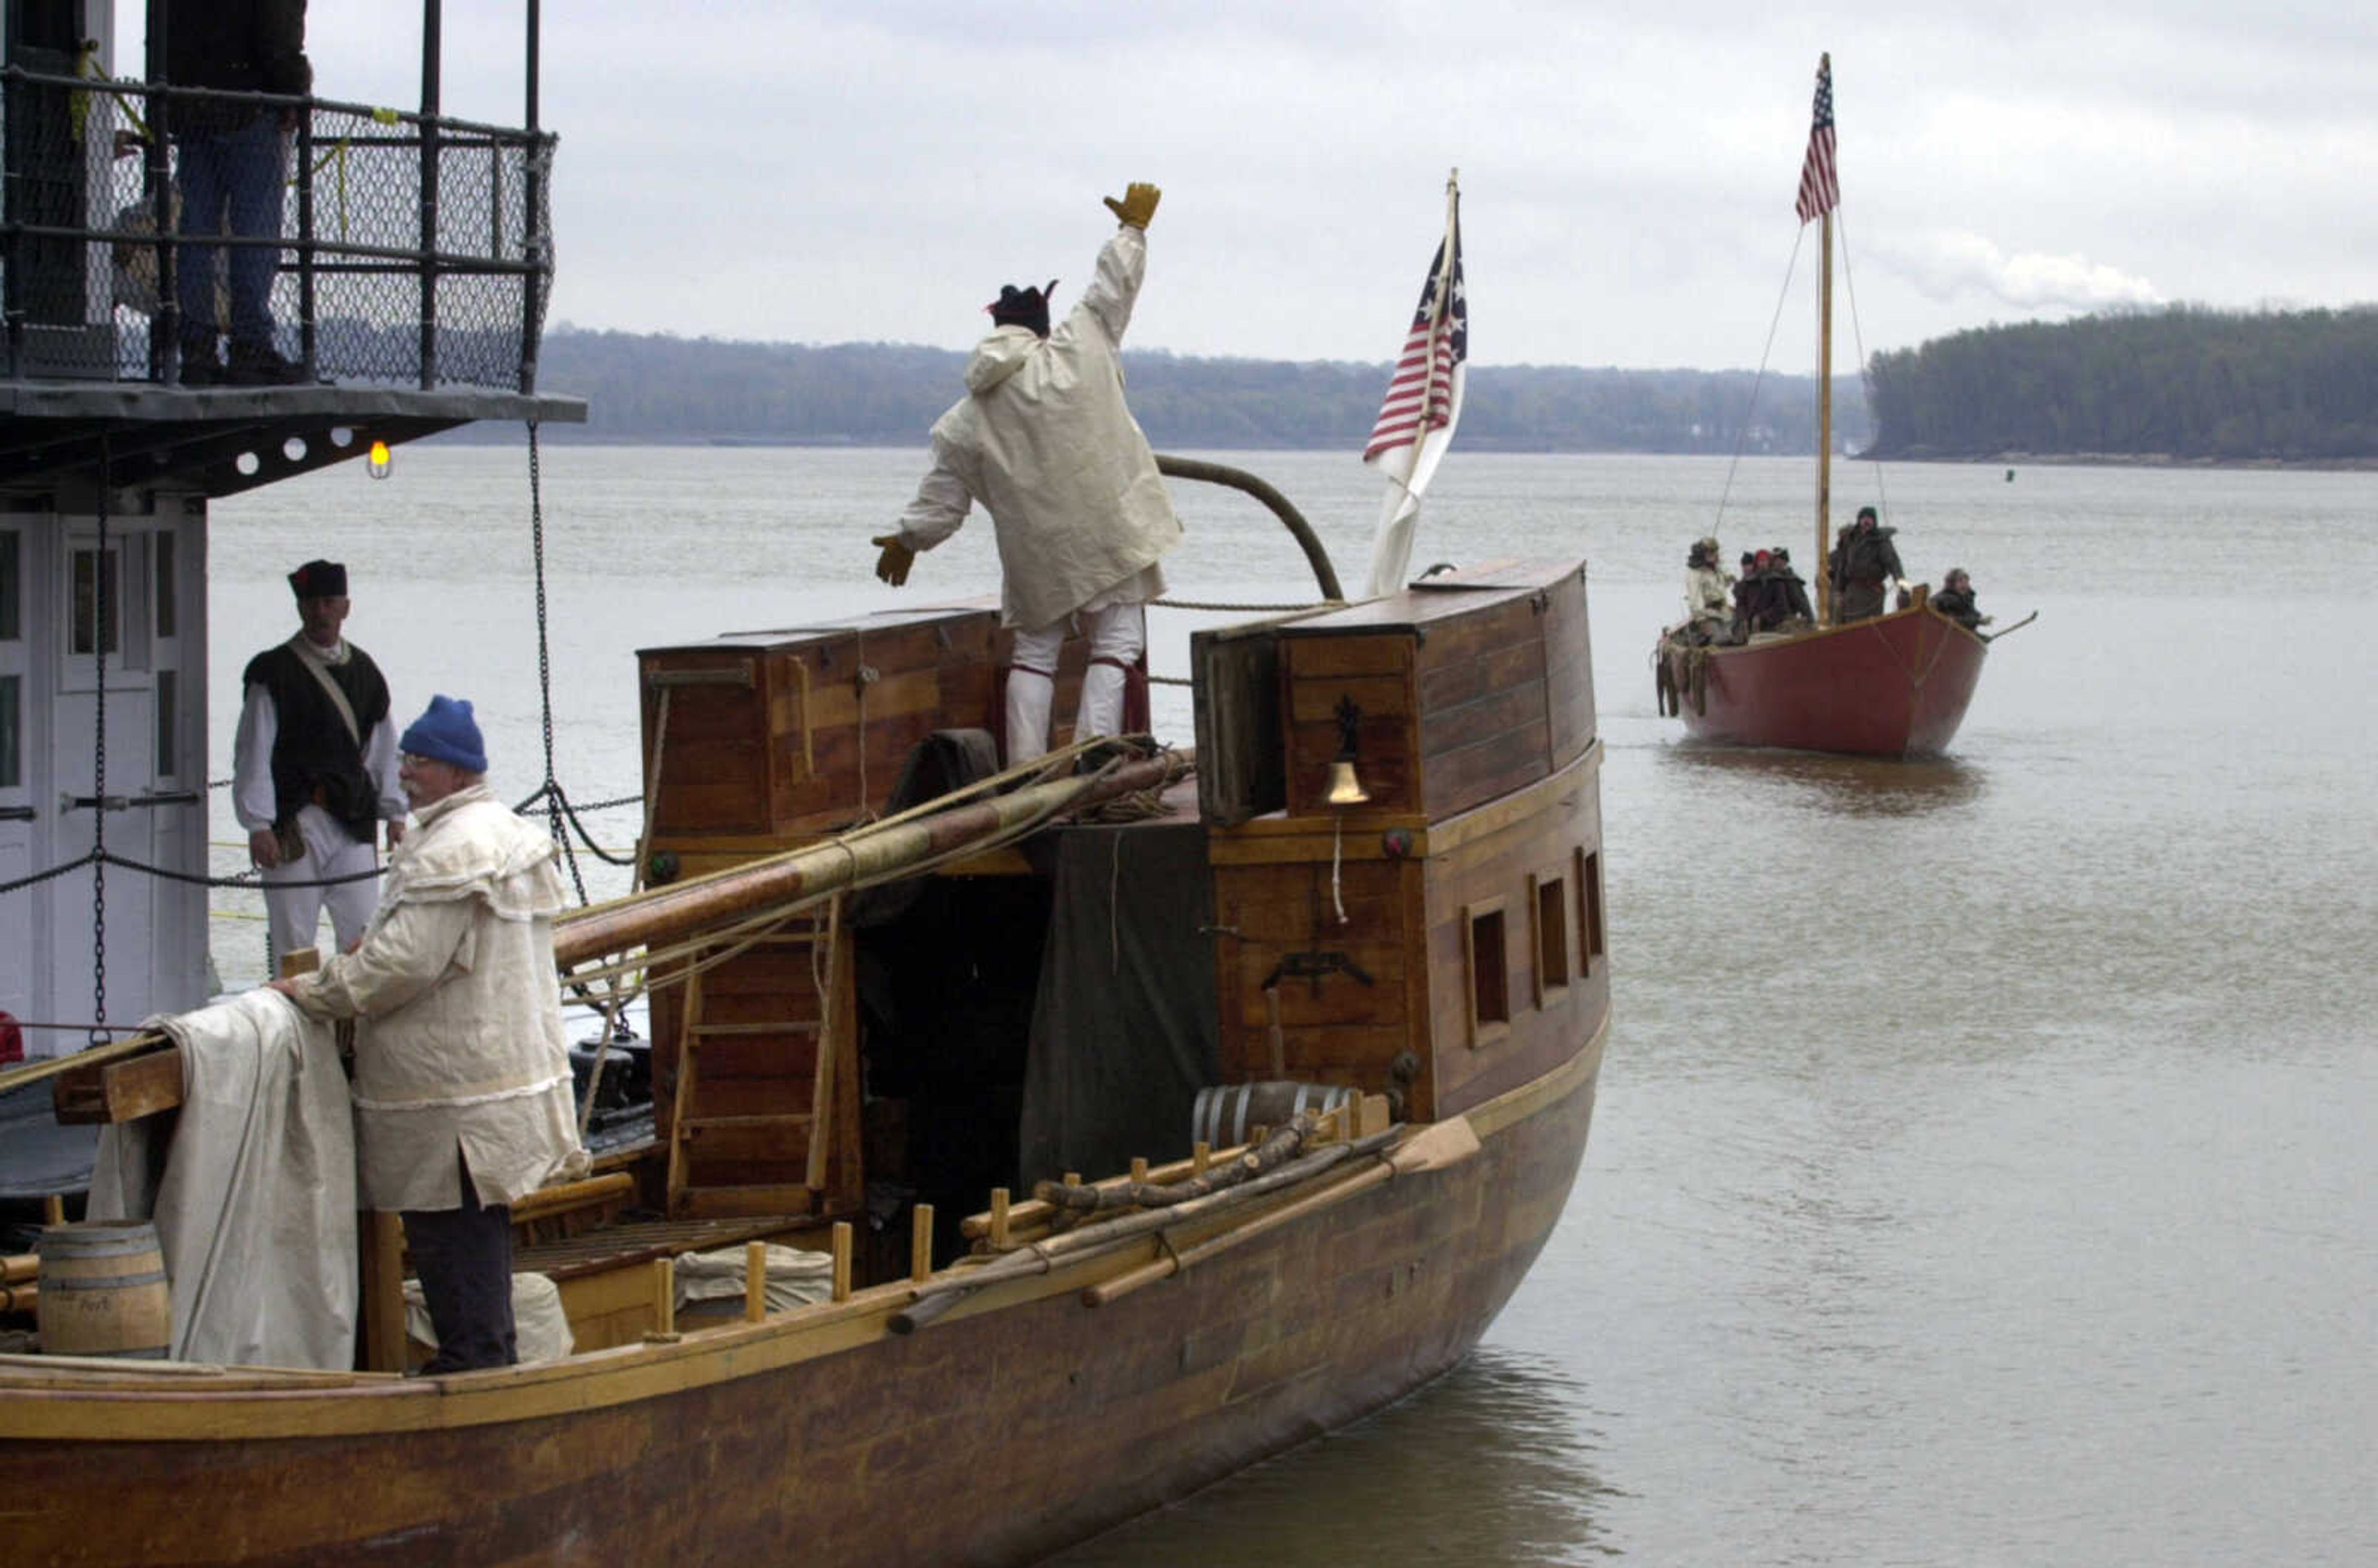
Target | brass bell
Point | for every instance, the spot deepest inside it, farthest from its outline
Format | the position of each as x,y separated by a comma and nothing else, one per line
1345,788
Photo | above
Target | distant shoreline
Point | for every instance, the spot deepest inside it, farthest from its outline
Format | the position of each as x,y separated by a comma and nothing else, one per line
497,434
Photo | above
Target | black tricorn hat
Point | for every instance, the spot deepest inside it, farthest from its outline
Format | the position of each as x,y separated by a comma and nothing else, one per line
1023,307
319,579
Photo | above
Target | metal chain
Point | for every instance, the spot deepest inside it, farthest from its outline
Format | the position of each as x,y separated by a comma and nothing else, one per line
98,760
554,810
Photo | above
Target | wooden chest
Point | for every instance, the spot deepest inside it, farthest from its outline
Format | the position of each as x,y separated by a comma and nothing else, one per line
790,732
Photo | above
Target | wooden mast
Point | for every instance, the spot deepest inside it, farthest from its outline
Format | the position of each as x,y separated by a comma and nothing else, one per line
1824,400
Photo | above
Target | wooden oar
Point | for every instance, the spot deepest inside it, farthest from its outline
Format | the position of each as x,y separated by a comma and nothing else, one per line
1994,635
1076,1246
1435,1147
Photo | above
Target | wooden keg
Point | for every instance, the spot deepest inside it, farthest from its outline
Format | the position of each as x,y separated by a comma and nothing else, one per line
1224,1114
104,1291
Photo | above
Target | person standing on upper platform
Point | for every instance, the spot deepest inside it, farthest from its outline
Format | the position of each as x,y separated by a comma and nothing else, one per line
1044,441
315,768
234,159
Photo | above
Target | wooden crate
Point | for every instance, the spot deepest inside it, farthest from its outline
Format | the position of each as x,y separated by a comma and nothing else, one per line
784,734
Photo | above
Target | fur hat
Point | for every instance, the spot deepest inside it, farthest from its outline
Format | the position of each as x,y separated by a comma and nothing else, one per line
1023,307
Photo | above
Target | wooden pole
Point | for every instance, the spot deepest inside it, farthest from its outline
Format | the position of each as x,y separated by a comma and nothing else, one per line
842,1260
663,1296
755,1281
999,1217
921,1244
664,913
1825,420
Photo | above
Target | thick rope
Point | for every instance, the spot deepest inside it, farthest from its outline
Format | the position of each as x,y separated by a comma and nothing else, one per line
1245,609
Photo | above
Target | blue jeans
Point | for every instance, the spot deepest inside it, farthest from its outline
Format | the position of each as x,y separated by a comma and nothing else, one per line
239,170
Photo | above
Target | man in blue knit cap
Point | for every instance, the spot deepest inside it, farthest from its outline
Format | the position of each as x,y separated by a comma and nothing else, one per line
461,1083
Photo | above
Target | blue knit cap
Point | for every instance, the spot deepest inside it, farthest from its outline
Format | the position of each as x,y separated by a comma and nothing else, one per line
447,733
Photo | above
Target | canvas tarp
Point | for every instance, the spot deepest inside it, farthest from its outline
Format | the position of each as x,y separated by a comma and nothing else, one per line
254,1199
1123,1028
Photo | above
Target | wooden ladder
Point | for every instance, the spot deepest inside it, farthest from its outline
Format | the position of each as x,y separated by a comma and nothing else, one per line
779,1132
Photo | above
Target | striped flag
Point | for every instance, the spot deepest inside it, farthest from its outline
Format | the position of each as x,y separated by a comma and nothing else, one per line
1423,402
1820,184
1426,391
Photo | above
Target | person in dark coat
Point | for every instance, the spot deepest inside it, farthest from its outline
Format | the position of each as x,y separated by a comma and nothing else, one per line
231,164
1863,563
314,768
1790,590
1955,600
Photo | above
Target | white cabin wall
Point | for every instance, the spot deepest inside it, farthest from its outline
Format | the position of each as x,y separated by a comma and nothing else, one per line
155,685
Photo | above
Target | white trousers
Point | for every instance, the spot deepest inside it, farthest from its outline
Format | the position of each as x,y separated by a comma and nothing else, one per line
1119,632
296,914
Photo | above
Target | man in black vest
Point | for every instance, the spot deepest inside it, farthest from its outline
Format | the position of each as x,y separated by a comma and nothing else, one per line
314,768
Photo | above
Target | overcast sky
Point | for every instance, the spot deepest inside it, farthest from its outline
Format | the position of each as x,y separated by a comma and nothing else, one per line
774,169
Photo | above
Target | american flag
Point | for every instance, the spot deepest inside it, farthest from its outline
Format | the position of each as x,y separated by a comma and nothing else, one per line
1821,185
1424,393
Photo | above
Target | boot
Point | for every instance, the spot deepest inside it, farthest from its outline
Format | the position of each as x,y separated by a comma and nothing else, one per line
200,367
258,363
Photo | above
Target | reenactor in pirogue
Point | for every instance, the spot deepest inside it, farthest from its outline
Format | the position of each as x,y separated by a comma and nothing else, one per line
1955,600
1863,561
1708,599
1789,591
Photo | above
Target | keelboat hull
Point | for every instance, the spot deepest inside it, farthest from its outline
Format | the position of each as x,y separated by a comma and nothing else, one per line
1896,686
995,1437
1443,946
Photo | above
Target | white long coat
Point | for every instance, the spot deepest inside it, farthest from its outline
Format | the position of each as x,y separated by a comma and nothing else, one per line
1045,442
461,1042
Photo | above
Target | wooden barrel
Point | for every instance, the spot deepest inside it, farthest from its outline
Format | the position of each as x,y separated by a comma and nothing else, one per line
104,1291
1225,1114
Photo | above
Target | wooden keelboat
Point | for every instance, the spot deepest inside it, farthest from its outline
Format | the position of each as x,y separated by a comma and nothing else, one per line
1896,685
1383,881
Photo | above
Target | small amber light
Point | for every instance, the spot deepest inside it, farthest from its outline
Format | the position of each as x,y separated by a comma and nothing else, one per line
378,460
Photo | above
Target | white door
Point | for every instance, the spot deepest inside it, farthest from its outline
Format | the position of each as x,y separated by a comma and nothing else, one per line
104,639
20,817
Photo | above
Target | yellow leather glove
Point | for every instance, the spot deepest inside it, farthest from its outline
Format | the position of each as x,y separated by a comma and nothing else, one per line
892,564
1137,206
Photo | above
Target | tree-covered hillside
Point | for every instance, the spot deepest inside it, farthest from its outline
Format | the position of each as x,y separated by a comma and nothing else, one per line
647,388
2186,382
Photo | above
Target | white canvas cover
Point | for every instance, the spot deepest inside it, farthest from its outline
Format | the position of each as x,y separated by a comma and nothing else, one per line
255,1204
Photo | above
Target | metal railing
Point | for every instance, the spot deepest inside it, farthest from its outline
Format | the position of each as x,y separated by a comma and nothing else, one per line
412,249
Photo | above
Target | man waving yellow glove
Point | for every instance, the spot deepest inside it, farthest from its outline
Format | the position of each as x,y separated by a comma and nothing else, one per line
1137,206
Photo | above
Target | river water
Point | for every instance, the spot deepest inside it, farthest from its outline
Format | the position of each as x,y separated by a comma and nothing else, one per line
1983,1170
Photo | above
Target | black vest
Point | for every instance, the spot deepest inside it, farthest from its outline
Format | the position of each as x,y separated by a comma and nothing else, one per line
313,755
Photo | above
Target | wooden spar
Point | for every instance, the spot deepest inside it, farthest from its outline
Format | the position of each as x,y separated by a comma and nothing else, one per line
1436,1146
664,913
1108,1235
1825,407
115,1050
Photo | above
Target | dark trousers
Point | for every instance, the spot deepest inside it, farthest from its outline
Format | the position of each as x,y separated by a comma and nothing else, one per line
463,1259
237,172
